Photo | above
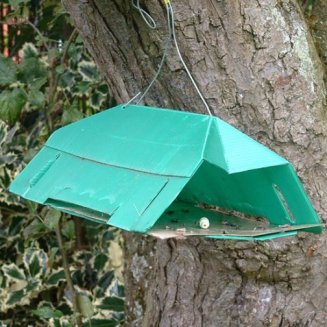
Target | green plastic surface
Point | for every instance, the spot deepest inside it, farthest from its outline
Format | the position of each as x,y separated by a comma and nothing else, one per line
128,166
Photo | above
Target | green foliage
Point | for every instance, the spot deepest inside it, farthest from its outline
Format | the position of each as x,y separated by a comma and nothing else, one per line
46,312
54,82
7,71
112,303
36,281
11,104
16,3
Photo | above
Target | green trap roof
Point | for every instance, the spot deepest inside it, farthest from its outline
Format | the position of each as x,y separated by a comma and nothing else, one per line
159,171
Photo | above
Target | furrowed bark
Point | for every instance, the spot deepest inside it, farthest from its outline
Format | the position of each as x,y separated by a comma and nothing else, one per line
258,67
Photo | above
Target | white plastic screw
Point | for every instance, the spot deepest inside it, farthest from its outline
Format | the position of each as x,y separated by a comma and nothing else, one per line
204,223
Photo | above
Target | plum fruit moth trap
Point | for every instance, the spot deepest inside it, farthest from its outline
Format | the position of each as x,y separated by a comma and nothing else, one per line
188,175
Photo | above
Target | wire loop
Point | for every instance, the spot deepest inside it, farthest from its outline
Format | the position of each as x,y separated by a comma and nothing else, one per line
145,15
171,37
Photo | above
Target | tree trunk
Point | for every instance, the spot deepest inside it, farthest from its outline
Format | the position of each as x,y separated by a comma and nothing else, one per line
258,68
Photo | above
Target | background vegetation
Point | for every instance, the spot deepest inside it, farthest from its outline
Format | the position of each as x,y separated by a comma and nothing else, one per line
54,270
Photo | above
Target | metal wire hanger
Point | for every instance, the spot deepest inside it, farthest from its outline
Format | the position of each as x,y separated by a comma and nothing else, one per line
171,38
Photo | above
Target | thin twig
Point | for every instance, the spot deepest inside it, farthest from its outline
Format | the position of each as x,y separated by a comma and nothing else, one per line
55,79
38,32
79,234
68,275
15,23
69,42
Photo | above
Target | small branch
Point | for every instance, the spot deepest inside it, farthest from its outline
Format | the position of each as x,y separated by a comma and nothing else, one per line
38,32
79,234
14,23
55,79
67,275
69,42
63,59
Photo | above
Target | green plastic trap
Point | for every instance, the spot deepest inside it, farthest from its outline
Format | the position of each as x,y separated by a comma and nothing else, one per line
160,171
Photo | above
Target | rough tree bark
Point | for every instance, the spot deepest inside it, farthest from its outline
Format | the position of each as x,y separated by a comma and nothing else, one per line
258,67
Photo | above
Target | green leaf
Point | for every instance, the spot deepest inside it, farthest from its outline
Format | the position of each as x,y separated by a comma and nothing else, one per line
16,3
100,261
46,312
15,225
52,218
79,40
7,159
67,79
34,267
121,291
11,134
75,53
11,104
38,83
13,272
60,69
119,316
36,98
56,323
106,279
31,69
68,229
85,305
29,51
101,323
15,297
32,286
114,290
88,70
41,40
97,99
34,229
31,206
82,88
112,303
55,278
53,55
35,261
30,153
71,115
103,88
7,70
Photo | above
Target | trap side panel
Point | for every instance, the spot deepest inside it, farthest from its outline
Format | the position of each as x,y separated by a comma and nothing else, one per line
152,140
93,190
274,193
